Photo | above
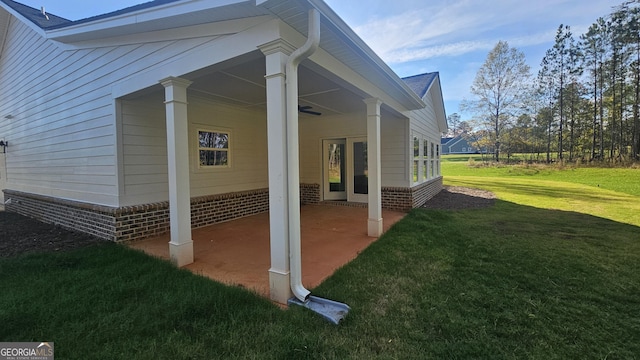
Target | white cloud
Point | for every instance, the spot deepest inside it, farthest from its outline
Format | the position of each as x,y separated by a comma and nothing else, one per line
448,28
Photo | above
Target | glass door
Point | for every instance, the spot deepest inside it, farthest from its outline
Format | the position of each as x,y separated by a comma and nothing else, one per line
359,177
335,177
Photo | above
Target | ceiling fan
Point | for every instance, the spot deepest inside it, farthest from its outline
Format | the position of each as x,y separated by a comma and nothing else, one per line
307,110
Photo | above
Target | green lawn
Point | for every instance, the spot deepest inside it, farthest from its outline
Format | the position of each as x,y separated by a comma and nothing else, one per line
537,276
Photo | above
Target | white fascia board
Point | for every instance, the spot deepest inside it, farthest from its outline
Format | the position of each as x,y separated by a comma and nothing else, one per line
189,32
352,37
435,89
103,25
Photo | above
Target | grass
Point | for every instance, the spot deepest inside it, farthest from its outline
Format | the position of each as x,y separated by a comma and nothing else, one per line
612,193
524,279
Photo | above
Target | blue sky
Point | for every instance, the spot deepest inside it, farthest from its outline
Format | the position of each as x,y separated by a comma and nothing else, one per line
418,36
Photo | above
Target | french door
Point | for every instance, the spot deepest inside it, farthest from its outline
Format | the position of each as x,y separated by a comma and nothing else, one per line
345,169
334,169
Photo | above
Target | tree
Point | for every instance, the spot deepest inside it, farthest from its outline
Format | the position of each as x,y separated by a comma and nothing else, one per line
453,121
500,86
560,69
594,47
626,29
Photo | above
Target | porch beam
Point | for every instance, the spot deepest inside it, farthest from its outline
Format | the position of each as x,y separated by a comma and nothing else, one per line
181,244
276,54
375,225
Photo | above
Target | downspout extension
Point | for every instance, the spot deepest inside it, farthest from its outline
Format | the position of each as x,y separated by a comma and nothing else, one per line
295,252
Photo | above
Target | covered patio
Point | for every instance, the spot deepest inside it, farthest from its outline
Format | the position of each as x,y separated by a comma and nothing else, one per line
237,252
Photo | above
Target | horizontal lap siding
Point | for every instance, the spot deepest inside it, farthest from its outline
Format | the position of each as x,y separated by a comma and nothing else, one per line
392,145
145,149
62,133
249,163
393,152
314,129
424,121
144,141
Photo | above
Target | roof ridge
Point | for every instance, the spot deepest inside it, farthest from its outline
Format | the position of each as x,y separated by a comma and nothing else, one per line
420,83
423,74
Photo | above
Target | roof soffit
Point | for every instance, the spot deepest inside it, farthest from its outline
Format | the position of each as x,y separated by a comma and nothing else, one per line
341,42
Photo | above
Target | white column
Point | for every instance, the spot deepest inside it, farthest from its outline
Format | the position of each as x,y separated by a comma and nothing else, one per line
279,273
181,245
374,169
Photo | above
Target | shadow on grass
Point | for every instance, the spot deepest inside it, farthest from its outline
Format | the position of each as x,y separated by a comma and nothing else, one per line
509,281
591,200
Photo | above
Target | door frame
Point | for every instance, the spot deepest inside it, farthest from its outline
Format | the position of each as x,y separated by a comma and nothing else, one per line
326,193
351,195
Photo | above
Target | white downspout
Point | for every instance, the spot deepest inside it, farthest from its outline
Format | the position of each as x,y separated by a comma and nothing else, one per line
295,253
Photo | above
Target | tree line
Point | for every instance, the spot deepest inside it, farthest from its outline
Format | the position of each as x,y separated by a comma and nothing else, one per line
583,104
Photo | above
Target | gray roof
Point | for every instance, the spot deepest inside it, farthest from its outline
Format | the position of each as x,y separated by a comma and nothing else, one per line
35,15
56,22
421,83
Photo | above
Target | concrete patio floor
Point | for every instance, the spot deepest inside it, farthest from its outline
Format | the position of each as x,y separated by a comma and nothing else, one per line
237,252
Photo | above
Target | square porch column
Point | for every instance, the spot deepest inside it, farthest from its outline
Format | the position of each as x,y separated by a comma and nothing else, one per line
181,244
375,225
277,53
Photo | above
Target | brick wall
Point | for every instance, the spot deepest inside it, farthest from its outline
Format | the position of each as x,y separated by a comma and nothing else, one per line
92,219
396,198
134,222
309,193
425,191
212,209
405,199
142,221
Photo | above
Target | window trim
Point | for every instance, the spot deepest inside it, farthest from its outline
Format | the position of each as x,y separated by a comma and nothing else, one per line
229,148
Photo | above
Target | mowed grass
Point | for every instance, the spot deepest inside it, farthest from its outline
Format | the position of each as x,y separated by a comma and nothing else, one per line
524,279
612,193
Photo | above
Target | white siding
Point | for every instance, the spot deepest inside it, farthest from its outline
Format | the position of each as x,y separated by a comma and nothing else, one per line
62,131
393,150
424,125
145,149
315,128
248,143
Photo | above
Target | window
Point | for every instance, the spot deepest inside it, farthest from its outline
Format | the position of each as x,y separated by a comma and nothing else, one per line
416,158
213,148
437,170
433,164
425,159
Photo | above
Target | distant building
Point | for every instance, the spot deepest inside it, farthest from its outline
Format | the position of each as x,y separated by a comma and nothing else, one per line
459,144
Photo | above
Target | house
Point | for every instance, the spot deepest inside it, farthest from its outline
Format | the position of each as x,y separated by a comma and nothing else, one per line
176,114
459,144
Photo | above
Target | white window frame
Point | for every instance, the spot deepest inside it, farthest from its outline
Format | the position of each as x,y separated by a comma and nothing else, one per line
228,149
425,159
416,168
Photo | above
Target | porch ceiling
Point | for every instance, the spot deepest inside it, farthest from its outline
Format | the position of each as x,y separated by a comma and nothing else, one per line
244,85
